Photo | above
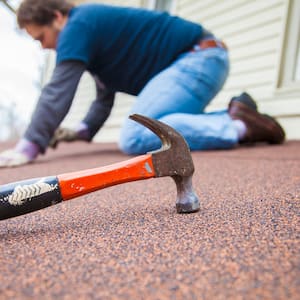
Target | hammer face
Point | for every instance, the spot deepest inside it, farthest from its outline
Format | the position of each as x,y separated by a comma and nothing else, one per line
187,200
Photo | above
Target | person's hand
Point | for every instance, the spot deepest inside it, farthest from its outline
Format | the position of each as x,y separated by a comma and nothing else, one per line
24,152
13,158
68,135
62,135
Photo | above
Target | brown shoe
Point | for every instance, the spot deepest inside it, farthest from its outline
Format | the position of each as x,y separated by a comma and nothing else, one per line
260,127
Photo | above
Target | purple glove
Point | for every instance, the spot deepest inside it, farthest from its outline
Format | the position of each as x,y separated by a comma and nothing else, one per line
31,150
23,153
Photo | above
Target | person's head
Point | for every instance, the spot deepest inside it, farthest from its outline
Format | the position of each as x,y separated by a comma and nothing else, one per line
43,19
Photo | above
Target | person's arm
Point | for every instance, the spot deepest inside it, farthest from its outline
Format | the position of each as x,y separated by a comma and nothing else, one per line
53,105
100,109
97,114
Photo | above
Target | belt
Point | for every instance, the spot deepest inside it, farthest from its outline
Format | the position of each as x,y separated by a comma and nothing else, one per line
204,44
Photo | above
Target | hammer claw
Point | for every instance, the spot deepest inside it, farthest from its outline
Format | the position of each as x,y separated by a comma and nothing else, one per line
160,129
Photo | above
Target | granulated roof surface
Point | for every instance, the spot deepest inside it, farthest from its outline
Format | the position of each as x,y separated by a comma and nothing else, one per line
128,242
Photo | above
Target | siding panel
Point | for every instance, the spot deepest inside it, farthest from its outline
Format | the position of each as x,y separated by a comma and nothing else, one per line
252,31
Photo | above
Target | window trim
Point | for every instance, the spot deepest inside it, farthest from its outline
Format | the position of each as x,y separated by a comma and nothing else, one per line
290,49
150,4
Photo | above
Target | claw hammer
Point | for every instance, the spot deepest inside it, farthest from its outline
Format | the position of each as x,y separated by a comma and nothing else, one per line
172,159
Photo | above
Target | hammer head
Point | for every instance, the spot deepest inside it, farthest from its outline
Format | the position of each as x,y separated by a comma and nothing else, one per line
173,159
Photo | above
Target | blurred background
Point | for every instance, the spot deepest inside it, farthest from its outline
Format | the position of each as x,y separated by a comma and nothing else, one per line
264,47
21,68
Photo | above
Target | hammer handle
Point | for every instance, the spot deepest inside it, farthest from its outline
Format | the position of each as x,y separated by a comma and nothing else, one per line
80,183
26,196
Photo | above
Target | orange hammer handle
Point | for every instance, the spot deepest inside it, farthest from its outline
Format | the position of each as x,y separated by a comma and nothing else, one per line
80,183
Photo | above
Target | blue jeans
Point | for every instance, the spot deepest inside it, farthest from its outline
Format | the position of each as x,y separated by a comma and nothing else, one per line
178,96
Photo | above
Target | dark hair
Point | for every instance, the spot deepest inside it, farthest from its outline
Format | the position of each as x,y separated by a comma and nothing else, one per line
41,12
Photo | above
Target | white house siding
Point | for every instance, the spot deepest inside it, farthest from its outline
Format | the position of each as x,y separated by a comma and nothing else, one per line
254,32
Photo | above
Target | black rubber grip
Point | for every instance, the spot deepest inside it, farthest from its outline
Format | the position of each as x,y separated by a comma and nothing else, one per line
26,196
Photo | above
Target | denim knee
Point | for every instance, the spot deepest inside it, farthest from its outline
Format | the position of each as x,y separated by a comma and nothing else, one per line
135,139
130,141
128,145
